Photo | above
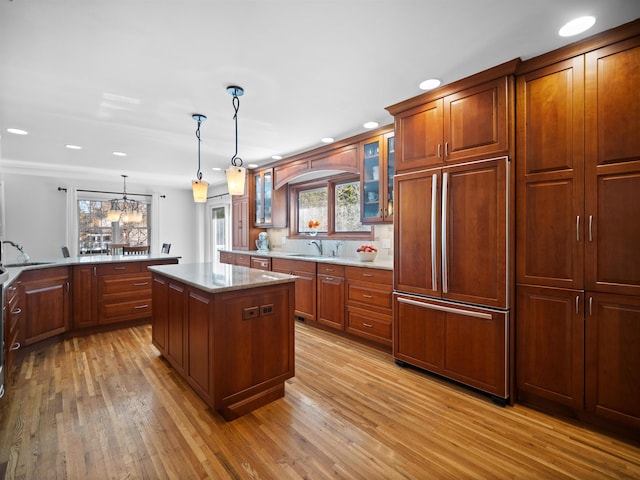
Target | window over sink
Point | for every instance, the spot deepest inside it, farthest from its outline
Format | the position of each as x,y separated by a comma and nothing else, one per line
327,207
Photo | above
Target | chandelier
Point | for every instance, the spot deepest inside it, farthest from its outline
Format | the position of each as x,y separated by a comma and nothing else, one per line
124,209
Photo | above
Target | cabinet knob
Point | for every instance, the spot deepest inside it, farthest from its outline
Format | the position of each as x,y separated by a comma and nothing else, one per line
15,346
16,311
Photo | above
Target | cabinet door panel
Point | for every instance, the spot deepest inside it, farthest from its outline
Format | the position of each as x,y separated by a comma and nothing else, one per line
85,286
178,314
160,317
474,244
613,229
612,357
416,232
613,104
476,121
550,344
419,133
331,301
199,343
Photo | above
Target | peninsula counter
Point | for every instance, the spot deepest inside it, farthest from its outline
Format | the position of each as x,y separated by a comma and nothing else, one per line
227,330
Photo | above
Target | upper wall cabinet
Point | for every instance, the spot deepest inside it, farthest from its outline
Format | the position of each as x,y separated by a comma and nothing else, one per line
469,119
376,174
270,204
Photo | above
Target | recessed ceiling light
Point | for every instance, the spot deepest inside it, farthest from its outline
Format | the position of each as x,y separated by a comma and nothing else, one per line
276,157
17,131
120,154
73,147
216,169
429,84
327,140
371,125
576,26
253,165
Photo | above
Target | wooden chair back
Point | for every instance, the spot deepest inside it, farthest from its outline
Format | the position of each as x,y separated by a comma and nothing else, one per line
116,248
137,250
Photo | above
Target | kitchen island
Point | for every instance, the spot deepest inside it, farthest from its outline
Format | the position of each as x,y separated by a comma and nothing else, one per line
227,330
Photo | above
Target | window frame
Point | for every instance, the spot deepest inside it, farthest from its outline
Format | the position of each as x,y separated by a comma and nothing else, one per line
331,183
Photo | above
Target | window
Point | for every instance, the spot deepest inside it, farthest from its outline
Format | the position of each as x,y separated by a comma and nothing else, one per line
96,232
332,203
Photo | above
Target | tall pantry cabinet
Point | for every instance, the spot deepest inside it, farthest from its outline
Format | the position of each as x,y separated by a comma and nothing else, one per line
578,230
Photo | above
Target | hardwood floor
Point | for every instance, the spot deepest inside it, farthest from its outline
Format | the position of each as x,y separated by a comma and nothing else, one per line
107,406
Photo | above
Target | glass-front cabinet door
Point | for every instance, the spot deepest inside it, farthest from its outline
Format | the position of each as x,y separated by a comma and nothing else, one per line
268,189
259,203
377,179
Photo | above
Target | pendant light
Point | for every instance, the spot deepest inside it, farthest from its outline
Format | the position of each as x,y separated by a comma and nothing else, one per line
199,186
236,172
124,209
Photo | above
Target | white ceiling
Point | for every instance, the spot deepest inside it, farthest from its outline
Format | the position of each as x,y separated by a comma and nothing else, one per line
126,75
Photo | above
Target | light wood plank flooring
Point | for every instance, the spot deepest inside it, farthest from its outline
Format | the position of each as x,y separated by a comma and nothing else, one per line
106,406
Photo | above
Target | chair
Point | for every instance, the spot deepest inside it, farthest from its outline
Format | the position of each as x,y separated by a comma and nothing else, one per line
137,250
116,248
166,247
65,252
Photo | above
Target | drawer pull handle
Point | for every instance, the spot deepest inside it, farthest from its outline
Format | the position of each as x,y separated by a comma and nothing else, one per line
119,268
140,284
367,296
139,307
367,275
16,311
15,346
368,325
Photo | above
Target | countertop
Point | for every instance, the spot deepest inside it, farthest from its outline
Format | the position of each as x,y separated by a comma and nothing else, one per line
221,277
83,260
354,262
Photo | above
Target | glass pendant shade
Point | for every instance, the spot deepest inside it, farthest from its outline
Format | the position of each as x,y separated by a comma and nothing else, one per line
236,180
113,215
200,188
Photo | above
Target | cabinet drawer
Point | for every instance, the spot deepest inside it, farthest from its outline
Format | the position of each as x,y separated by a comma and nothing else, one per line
129,310
372,325
261,263
370,275
118,268
129,284
228,257
287,265
243,260
371,294
331,269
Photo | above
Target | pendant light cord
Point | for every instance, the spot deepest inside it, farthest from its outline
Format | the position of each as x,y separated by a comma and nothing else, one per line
199,173
236,161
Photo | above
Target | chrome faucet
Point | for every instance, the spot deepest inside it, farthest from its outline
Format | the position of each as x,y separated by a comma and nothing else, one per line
336,251
318,244
22,256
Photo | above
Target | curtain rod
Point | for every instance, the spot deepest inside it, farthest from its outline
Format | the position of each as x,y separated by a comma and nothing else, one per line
217,196
63,189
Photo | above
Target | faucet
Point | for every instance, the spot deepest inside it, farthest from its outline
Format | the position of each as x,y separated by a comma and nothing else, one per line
336,251
318,244
22,256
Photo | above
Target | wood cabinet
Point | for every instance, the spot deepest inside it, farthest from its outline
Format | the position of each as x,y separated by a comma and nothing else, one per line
270,205
235,349
243,233
463,343
227,257
369,303
472,121
330,311
260,263
124,292
376,178
46,304
452,232
14,322
85,296
305,305
578,268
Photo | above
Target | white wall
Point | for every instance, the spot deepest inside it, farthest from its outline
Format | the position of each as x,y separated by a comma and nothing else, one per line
35,214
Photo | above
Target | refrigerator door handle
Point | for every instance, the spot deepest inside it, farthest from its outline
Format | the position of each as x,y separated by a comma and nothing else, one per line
445,194
434,233
442,308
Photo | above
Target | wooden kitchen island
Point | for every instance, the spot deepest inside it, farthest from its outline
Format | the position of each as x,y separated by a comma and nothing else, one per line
227,330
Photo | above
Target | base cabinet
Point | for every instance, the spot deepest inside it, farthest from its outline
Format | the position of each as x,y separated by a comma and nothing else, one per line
305,284
14,322
330,298
466,344
46,304
235,349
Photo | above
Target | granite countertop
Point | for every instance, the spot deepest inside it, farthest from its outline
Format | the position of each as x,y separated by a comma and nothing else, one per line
15,269
221,277
349,261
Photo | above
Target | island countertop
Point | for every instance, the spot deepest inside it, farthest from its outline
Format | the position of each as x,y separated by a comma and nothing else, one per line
221,277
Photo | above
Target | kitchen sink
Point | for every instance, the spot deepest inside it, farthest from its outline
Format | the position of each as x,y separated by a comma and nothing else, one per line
27,264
